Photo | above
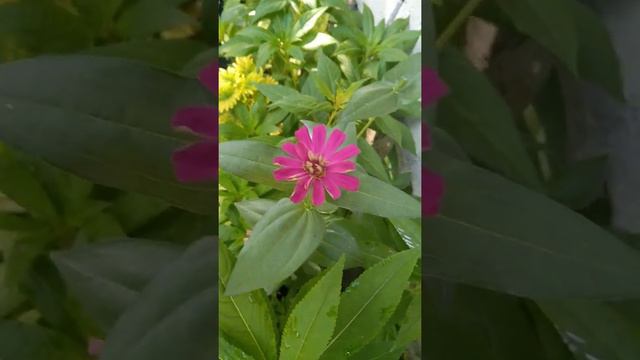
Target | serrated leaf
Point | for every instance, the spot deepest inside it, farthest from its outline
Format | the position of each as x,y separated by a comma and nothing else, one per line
282,240
369,302
230,352
310,325
245,319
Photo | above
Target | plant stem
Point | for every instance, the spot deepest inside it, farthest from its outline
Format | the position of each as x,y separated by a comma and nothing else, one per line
366,126
456,23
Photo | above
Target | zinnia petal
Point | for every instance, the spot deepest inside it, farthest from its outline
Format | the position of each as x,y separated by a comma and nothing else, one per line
432,192
200,120
331,187
287,173
294,150
433,88
209,77
300,191
303,137
197,162
287,161
345,153
341,167
318,139
347,182
336,139
317,197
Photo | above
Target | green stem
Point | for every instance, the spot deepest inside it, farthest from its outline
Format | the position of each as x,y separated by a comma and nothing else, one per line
456,23
366,126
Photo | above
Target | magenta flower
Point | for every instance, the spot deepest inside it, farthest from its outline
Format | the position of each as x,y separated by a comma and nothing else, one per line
318,164
432,185
199,161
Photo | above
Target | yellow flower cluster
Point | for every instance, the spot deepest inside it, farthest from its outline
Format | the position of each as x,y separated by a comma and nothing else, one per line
237,83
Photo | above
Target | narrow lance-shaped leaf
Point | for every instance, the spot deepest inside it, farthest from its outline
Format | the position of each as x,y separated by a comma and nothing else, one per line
110,124
369,302
499,235
310,324
246,320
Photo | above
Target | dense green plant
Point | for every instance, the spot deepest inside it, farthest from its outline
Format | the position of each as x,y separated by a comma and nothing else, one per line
297,65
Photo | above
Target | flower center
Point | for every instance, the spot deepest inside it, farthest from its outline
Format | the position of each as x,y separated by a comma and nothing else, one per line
315,166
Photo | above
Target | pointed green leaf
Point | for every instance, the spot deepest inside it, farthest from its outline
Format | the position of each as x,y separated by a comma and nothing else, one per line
107,277
281,241
369,302
377,99
310,324
501,236
309,20
105,126
230,352
476,115
246,320
175,314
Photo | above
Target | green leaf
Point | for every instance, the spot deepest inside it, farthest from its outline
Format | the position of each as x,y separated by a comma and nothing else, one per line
550,22
379,198
175,313
253,210
367,21
19,182
368,303
499,235
338,242
147,17
267,7
230,352
377,99
107,277
392,55
476,116
496,326
594,330
251,160
104,99
282,240
19,341
33,27
597,58
166,54
291,100
397,131
410,231
378,350
310,324
371,161
411,325
245,319
308,20
320,40
328,74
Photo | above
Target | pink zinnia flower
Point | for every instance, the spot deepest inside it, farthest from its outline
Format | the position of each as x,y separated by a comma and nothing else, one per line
318,164
199,161
432,185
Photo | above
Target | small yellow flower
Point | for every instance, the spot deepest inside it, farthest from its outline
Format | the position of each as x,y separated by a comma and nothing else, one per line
237,83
